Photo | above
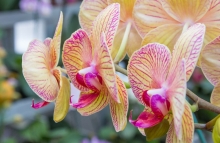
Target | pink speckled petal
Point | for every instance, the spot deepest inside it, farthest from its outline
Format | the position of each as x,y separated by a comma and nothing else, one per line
210,61
55,43
148,68
106,68
85,99
37,72
188,46
119,110
145,120
187,129
89,10
149,14
39,104
186,10
77,54
107,21
176,95
98,104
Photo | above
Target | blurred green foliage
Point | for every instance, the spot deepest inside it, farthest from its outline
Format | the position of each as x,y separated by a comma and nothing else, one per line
6,5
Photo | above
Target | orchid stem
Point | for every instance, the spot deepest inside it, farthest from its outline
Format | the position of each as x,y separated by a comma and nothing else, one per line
127,85
63,70
123,44
193,107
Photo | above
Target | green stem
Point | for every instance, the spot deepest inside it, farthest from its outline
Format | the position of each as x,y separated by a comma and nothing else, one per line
123,43
127,85
193,107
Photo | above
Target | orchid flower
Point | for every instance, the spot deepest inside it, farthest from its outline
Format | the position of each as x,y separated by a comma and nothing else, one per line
90,67
211,67
158,19
39,64
127,40
159,83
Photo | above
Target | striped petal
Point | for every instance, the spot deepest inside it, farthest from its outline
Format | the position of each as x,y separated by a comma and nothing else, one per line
85,99
148,68
188,46
176,95
106,68
210,61
39,104
36,71
186,10
166,34
149,14
119,110
126,7
77,54
210,34
187,129
107,21
212,16
62,100
89,10
55,43
98,104
215,96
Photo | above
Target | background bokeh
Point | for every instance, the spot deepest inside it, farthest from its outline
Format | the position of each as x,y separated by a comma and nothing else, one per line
24,20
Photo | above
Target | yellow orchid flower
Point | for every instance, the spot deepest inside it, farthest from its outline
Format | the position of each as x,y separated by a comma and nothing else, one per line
127,40
163,21
39,64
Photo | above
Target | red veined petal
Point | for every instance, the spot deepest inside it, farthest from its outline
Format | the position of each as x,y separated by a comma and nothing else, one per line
188,46
107,21
210,61
106,68
148,68
187,129
77,54
37,71
176,95
89,10
55,43
119,110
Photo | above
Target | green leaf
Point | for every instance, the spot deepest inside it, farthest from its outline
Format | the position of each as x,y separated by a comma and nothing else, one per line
157,131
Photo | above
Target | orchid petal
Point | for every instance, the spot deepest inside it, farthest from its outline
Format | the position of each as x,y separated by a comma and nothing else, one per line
107,21
148,68
187,129
119,110
188,46
145,120
176,95
212,15
98,104
149,14
37,72
62,100
106,68
89,10
55,43
215,97
210,34
126,7
92,82
77,54
85,99
141,130
39,104
186,10
166,34
210,61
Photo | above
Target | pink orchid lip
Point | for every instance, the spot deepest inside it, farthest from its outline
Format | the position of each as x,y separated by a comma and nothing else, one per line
39,104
